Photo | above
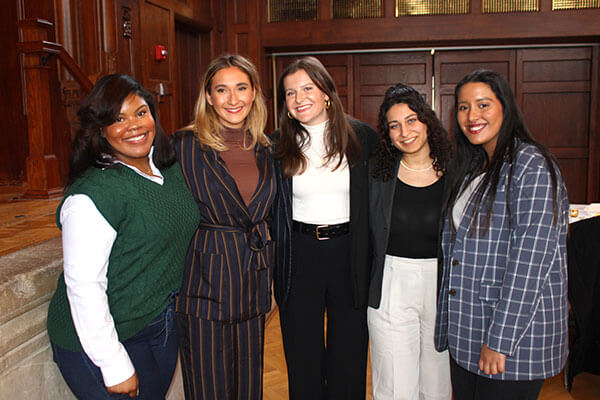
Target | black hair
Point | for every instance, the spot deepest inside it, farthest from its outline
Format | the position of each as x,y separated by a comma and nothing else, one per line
101,108
385,161
472,160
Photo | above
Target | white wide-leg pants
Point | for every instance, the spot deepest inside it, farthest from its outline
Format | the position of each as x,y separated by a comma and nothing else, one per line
404,362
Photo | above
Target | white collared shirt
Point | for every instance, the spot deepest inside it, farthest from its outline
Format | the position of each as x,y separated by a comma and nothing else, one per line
87,240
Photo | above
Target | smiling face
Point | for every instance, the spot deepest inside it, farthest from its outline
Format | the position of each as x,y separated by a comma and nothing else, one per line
407,133
231,95
304,100
132,134
479,115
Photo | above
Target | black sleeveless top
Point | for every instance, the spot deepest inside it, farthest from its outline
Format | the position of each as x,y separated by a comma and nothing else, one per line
414,226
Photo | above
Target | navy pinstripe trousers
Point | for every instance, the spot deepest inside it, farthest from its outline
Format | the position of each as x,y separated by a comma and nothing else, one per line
224,360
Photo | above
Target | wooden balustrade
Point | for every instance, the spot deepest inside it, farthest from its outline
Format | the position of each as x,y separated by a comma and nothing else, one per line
42,168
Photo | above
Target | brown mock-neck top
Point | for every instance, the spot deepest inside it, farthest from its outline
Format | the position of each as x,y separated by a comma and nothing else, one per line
240,163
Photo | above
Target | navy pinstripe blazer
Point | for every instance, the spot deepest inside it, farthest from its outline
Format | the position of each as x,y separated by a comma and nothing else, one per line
508,289
228,272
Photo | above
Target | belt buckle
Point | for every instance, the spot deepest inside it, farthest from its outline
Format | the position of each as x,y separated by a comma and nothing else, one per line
317,232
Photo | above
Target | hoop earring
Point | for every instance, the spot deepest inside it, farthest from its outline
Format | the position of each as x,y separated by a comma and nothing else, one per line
290,115
327,104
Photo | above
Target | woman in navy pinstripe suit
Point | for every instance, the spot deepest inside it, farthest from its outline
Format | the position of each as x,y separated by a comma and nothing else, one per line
502,306
226,160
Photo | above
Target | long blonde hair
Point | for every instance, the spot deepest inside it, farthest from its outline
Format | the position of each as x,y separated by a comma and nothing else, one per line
206,124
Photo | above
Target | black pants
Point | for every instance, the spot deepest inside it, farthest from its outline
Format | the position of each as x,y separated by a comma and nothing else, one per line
469,386
334,368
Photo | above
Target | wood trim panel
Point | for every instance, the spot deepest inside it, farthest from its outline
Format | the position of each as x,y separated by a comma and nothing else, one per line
414,31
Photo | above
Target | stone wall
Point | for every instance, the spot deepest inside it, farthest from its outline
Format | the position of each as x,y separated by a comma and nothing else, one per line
27,282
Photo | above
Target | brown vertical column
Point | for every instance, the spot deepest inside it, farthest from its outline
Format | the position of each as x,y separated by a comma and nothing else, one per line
41,165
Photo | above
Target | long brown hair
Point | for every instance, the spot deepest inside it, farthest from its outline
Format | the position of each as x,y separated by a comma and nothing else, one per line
340,139
206,123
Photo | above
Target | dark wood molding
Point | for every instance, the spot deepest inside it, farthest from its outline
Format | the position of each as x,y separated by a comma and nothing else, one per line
42,165
415,31
43,176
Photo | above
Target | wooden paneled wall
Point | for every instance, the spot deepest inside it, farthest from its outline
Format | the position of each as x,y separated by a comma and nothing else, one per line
415,31
557,91
104,36
13,125
195,31
556,88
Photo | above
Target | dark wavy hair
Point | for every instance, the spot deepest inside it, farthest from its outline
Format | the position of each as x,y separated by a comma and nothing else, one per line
385,161
100,109
472,160
340,138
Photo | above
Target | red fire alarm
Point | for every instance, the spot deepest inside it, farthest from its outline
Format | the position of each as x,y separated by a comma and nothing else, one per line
160,52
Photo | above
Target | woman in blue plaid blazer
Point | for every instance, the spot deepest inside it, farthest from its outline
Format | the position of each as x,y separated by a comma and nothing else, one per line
502,306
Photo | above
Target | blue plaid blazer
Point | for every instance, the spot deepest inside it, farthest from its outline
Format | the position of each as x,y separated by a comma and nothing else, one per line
508,288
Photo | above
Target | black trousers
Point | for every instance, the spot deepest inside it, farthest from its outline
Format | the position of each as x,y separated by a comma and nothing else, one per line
323,368
469,386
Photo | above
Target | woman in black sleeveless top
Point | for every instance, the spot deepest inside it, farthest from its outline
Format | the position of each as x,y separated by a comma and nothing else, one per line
406,192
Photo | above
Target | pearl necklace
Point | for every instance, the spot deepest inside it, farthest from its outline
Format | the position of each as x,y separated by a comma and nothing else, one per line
415,170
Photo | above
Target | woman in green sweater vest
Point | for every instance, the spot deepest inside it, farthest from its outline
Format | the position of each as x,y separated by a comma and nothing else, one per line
126,219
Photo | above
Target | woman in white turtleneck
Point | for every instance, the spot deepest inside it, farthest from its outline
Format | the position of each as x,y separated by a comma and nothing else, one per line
321,230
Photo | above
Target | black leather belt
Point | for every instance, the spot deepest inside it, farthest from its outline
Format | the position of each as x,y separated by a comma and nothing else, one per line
321,232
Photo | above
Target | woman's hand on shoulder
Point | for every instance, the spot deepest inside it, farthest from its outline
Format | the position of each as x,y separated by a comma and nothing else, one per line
129,387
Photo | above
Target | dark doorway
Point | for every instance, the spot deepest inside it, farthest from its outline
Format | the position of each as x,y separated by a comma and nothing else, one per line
193,56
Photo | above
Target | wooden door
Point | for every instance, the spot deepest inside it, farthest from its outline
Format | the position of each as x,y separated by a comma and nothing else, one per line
376,72
361,79
128,38
192,57
553,87
557,89
554,90
159,76
339,67
452,66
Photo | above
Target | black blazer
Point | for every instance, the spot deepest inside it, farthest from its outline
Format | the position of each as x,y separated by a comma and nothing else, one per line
360,244
381,197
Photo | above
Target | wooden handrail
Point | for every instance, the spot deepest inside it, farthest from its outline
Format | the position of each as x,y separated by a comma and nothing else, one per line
49,49
43,177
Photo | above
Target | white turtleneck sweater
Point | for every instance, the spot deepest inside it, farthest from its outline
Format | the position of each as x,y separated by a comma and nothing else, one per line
320,195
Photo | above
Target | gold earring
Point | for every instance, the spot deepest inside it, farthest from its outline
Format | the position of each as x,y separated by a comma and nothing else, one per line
290,115
327,104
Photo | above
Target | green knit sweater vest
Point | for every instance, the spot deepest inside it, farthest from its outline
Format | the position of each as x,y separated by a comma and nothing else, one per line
154,225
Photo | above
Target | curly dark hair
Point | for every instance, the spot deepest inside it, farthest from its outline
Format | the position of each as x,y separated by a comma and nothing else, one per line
385,161
100,109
